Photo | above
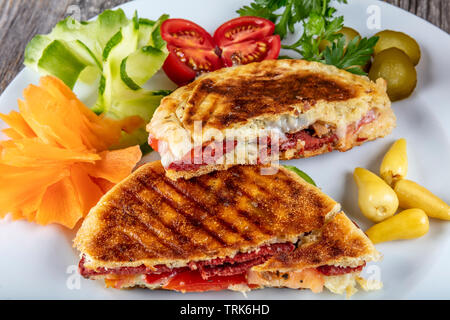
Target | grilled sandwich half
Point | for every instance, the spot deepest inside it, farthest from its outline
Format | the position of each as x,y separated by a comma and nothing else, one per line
233,229
302,108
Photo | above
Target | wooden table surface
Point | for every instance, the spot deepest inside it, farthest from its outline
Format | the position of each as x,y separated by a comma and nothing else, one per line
20,20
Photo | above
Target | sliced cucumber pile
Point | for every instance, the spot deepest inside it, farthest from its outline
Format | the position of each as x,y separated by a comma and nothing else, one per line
123,53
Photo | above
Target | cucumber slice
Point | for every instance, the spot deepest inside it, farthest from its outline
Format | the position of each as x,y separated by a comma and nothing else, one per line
114,41
141,65
150,34
157,40
102,29
143,106
125,78
123,52
86,40
145,31
138,137
61,60
89,75
34,49
94,34
146,22
91,55
121,44
162,92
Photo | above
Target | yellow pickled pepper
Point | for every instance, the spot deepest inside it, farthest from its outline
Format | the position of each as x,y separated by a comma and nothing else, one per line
395,163
413,195
408,224
376,199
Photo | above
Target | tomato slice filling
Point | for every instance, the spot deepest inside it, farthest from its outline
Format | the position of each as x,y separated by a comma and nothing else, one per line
211,275
192,281
153,142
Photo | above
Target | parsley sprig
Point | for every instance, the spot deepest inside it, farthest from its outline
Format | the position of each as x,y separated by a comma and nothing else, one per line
357,53
319,23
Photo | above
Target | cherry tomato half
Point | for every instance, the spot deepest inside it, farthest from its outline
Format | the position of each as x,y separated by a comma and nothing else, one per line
185,33
242,29
184,64
247,39
192,50
251,51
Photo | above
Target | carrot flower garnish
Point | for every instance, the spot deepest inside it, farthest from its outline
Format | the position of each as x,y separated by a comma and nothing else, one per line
57,162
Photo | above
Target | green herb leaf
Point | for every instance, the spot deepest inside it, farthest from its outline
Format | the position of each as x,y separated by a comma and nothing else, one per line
257,10
319,24
302,174
357,53
315,25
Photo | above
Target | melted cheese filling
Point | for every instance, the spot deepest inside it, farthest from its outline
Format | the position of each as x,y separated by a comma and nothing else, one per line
246,150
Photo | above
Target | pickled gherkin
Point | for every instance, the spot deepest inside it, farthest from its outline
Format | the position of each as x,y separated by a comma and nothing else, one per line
394,39
396,68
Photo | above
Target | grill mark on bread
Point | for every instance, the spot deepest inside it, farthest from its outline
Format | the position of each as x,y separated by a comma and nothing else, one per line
289,190
155,226
138,240
234,188
116,251
192,113
231,200
181,238
120,250
249,97
209,210
140,209
263,188
174,233
195,222
329,246
132,235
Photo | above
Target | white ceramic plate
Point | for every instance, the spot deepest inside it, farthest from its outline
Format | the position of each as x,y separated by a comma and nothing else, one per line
39,262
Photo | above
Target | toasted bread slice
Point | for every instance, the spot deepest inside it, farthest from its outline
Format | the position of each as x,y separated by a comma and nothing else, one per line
148,219
234,229
332,257
314,108
340,243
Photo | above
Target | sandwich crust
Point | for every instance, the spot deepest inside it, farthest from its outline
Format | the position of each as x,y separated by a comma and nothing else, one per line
247,101
148,219
380,127
340,243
